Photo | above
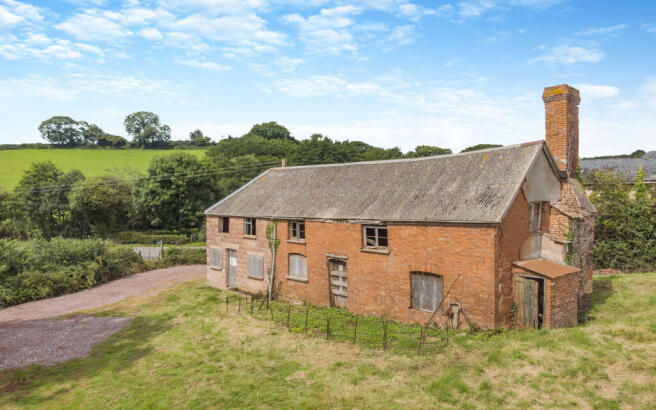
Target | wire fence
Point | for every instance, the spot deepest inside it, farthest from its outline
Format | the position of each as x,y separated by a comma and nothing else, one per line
340,325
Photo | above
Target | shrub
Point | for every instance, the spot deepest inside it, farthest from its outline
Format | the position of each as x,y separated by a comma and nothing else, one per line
38,269
182,256
129,237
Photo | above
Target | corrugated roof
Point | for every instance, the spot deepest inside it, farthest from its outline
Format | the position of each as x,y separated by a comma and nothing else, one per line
473,187
547,268
626,166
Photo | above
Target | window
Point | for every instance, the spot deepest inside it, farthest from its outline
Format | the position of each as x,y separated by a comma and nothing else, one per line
255,266
297,231
427,291
224,224
216,258
297,266
249,226
375,236
535,217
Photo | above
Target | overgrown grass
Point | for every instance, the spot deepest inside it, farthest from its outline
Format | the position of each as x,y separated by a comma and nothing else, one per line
92,162
184,350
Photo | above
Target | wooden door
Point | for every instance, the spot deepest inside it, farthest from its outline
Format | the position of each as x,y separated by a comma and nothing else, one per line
525,294
338,284
232,268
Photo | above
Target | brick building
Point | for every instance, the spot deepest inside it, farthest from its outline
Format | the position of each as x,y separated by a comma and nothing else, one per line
508,230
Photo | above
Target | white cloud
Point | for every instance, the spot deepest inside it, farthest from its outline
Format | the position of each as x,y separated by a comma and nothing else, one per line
186,41
93,26
205,65
327,32
402,35
571,54
414,12
611,31
591,91
320,85
42,47
649,27
151,33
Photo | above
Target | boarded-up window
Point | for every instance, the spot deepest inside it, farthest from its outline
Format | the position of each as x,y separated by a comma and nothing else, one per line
427,290
297,266
256,266
216,258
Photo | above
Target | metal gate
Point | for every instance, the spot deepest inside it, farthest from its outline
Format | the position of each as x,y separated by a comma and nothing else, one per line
525,295
232,268
338,283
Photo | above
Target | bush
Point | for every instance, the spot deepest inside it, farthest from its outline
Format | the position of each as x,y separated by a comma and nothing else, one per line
130,237
182,256
38,269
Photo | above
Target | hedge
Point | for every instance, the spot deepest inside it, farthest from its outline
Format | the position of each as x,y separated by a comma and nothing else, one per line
130,237
182,256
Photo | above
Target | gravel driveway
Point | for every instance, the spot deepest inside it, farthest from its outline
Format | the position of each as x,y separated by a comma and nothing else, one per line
29,335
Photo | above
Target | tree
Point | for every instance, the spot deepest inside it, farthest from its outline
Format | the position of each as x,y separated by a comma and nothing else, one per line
198,139
43,194
61,130
271,131
179,187
479,147
90,133
113,141
427,151
102,203
146,131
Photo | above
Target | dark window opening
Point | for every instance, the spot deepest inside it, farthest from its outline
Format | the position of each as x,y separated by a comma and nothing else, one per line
297,231
375,237
224,224
535,217
249,226
427,291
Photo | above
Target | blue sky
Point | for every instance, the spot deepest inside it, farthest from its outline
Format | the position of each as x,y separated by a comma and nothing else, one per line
390,73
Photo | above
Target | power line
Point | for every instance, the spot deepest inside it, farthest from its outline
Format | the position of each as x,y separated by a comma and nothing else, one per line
160,177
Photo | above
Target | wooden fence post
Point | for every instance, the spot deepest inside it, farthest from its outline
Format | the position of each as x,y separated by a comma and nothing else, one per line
307,311
289,312
239,307
227,297
384,334
327,327
355,330
251,305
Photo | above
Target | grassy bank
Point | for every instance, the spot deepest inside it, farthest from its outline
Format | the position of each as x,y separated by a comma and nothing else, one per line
92,162
184,350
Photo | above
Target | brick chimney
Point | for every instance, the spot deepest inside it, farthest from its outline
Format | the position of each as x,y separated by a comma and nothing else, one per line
561,106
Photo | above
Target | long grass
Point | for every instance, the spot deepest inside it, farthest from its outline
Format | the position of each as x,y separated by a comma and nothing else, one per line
183,350
92,162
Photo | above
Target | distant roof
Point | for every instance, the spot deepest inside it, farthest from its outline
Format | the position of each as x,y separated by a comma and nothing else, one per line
472,187
626,166
547,268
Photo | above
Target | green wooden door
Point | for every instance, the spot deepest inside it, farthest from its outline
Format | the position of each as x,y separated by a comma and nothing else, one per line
526,300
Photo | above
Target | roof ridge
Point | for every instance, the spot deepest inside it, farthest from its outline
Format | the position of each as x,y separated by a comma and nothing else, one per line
386,161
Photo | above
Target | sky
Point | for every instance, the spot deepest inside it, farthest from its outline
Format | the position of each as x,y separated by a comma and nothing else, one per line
387,72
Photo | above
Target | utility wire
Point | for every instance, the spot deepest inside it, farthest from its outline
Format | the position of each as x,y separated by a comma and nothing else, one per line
160,177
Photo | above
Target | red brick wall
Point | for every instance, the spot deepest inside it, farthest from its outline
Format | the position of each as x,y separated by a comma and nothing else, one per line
562,302
561,105
512,234
243,246
379,284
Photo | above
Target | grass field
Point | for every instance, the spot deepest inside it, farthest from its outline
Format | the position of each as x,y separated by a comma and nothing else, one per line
92,162
184,351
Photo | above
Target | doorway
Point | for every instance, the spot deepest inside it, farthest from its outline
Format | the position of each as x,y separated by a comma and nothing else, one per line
338,283
528,297
232,268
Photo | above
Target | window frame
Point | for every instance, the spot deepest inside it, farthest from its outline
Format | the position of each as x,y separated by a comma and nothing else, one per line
252,223
412,290
377,237
295,230
532,226
220,251
252,258
224,222
293,276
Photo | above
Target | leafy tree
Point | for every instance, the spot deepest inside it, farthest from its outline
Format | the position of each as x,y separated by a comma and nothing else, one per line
113,141
178,189
43,194
427,151
146,131
271,131
103,204
61,130
90,132
198,139
479,147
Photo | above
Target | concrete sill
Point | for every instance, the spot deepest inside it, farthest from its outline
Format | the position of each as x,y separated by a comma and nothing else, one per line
297,279
301,241
254,278
214,267
250,237
382,251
